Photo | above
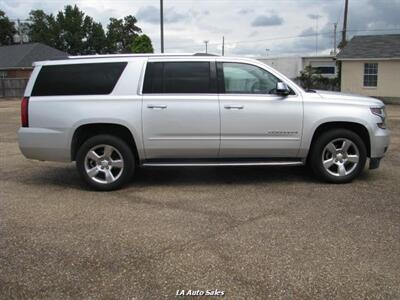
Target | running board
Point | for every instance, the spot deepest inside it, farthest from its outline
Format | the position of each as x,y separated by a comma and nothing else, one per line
222,164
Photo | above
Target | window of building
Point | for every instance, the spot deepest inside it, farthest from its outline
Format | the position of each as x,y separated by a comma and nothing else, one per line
177,77
78,79
370,74
242,78
325,70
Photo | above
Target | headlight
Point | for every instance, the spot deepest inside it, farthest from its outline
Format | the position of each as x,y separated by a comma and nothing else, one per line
381,113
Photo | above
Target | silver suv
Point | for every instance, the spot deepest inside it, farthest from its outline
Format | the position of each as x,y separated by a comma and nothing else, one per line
113,113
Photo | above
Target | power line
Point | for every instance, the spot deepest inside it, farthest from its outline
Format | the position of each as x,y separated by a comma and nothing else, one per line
284,38
304,35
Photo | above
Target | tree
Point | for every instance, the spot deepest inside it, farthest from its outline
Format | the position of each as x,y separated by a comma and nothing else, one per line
76,33
121,34
73,32
42,28
142,44
96,41
7,29
310,78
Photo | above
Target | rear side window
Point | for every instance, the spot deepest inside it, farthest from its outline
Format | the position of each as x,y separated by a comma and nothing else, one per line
78,79
177,77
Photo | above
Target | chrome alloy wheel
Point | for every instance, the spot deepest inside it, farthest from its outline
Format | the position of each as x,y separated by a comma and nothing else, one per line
340,157
104,164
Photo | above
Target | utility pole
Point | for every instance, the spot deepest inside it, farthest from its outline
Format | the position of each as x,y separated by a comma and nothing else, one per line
267,50
334,38
206,42
162,25
316,34
223,45
346,8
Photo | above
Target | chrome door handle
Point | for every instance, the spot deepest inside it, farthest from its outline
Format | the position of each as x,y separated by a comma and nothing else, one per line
158,106
233,106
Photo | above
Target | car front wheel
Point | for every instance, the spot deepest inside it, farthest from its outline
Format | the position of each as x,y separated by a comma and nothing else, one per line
338,156
105,162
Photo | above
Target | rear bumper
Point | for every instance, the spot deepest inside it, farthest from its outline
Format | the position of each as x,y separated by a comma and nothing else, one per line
44,144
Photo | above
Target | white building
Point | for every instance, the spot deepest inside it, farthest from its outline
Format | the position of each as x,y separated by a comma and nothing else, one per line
291,66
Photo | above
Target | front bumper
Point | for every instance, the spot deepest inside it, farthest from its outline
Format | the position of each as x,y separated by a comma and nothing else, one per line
374,163
380,143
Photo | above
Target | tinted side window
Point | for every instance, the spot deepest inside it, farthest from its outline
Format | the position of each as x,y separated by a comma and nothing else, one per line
78,79
177,77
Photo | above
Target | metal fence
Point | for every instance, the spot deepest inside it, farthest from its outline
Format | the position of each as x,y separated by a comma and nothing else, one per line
12,87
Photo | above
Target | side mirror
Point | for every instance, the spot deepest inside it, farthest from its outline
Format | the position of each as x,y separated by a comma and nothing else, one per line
282,89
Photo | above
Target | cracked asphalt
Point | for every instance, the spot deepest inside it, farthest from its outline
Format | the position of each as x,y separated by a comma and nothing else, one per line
252,232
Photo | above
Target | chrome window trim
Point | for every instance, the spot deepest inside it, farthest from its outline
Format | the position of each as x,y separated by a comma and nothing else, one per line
296,89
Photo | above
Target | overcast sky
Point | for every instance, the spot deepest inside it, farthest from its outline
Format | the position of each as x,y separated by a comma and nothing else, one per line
285,27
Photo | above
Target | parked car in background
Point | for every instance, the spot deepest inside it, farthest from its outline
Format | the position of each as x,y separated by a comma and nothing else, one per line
113,113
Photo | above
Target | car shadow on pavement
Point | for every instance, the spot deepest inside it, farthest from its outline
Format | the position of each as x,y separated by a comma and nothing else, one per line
67,176
220,175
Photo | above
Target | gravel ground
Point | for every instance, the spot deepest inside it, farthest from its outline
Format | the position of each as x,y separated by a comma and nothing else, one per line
252,232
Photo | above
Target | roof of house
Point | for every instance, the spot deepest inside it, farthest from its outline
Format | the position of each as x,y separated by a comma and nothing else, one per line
22,56
372,46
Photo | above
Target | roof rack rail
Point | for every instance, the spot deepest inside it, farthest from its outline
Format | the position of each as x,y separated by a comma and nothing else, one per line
129,55
204,54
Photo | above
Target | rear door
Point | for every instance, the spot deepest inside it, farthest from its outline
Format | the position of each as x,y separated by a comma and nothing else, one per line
180,111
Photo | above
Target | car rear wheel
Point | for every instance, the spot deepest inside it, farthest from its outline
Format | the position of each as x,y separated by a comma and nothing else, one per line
105,162
338,156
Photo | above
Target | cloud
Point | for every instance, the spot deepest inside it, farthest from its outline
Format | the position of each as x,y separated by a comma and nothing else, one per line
250,23
151,14
307,43
264,21
196,14
365,17
245,11
254,33
245,50
313,16
148,14
308,31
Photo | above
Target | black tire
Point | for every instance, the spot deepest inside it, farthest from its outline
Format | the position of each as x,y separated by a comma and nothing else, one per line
318,149
120,149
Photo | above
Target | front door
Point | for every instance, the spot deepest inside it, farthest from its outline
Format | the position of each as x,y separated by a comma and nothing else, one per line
255,121
180,111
